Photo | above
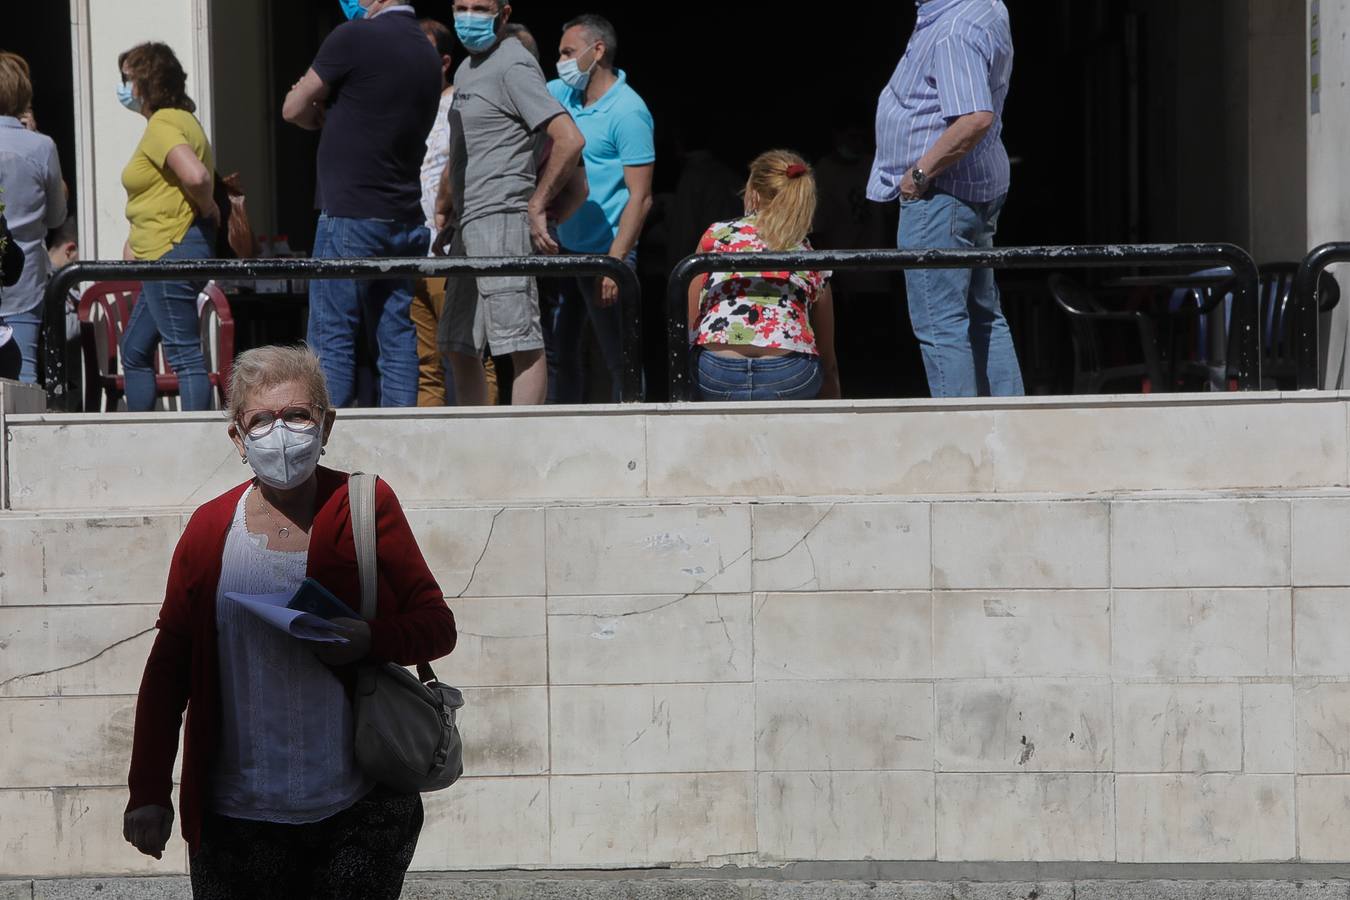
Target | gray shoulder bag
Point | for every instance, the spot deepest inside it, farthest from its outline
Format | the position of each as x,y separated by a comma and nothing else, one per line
406,736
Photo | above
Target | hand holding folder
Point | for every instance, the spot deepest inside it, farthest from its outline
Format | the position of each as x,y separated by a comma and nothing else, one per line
306,614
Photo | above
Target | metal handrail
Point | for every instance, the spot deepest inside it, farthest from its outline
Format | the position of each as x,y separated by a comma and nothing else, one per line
1245,314
1307,284
356,269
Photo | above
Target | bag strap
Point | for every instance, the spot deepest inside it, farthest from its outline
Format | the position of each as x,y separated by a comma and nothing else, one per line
361,496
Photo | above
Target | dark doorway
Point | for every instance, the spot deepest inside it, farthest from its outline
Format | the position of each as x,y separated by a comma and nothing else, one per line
40,33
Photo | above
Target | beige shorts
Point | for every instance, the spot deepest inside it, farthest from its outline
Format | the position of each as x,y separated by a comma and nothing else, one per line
501,313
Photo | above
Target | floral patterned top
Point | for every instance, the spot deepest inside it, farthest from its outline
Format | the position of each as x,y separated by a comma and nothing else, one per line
760,309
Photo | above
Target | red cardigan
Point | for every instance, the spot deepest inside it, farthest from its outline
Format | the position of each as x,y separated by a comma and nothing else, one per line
412,625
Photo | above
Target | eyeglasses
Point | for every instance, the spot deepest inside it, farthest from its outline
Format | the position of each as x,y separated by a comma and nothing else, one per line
260,422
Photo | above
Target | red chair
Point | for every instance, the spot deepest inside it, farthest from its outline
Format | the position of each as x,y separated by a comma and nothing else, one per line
217,328
104,311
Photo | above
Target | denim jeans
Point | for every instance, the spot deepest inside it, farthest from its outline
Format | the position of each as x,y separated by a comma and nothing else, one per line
338,309
796,376
166,313
18,356
967,348
566,304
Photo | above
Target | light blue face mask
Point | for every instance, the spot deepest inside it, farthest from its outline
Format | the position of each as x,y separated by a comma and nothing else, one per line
127,99
353,9
476,31
569,71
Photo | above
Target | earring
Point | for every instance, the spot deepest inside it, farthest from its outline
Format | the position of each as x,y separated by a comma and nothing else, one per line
323,451
244,459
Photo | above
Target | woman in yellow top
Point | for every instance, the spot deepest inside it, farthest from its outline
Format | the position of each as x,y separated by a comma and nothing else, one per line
173,215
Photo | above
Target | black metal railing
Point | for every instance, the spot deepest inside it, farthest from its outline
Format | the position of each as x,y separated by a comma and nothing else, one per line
1246,315
56,361
1307,288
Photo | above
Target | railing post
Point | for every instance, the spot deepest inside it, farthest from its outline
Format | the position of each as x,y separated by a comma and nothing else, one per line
56,364
1307,294
1307,322
1246,317
630,308
677,331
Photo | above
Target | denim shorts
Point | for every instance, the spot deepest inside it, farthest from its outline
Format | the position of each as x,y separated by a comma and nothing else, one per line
796,376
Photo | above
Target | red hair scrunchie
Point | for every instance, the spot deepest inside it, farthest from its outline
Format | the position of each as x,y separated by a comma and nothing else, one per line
796,170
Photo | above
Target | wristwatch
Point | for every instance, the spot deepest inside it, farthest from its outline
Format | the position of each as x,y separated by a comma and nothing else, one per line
920,179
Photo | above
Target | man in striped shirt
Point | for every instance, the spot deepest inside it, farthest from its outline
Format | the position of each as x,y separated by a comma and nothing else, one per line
940,151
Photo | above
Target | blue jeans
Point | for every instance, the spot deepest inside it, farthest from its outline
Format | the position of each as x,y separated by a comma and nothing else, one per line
796,376
166,314
18,357
337,309
567,304
967,348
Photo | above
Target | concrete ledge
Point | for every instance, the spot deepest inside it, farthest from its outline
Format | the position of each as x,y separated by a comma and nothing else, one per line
872,448
836,881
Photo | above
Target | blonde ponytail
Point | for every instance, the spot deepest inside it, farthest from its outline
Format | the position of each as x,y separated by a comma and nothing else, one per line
785,187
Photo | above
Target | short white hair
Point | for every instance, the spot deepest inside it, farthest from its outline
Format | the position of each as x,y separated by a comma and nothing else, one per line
264,367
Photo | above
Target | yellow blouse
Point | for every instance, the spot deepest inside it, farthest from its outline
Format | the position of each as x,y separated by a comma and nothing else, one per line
157,207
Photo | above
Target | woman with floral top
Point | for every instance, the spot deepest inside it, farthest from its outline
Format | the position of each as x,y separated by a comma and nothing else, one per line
765,335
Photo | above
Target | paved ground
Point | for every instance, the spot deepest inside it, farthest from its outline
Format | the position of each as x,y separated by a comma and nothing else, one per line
840,881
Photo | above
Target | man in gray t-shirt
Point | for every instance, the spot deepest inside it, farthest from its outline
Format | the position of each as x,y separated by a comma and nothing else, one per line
496,201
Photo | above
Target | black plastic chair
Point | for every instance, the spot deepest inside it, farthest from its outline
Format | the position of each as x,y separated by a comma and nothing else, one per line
1192,316
1092,368
1279,324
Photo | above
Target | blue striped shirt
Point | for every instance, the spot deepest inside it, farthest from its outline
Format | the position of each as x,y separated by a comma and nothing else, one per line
959,61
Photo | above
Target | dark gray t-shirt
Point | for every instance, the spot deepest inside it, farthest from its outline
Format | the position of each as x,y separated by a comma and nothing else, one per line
500,102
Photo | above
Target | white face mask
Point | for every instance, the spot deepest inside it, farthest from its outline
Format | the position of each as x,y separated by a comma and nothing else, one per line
284,459
569,71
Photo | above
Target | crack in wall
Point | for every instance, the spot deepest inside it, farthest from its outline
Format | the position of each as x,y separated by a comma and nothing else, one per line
815,572
810,531
726,630
76,665
473,573
187,501
680,599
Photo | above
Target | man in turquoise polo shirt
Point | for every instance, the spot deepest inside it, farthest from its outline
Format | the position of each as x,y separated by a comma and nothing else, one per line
620,155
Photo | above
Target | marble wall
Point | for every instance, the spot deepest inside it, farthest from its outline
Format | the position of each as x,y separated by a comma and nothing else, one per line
978,668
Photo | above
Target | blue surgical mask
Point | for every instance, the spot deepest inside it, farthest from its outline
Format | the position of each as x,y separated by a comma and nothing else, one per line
476,31
353,9
127,99
569,70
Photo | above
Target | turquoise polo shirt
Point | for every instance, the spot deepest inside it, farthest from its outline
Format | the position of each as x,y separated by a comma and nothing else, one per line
619,132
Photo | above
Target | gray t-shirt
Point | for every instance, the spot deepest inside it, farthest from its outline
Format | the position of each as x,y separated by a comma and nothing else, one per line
500,102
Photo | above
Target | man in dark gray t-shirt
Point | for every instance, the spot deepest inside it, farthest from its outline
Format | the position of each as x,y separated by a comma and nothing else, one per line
496,200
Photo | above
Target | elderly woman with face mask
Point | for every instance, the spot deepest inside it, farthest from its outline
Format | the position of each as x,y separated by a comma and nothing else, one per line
272,801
